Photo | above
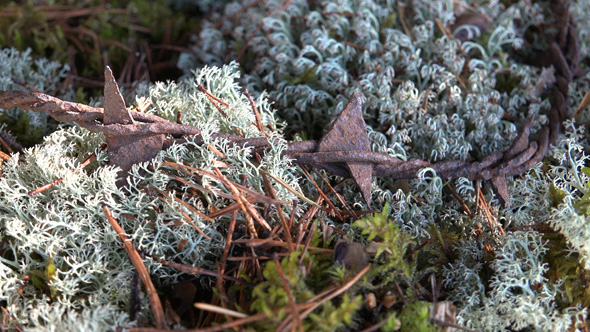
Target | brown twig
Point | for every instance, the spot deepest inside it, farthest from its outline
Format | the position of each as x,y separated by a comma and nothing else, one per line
465,207
273,195
225,326
4,156
258,123
212,99
226,249
275,243
339,291
196,270
321,192
188,206
402,17
157,309
338,196
260,198
4,143
491,219
307,242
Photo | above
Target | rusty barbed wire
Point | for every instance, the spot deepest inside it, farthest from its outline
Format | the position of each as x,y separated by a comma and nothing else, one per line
134,137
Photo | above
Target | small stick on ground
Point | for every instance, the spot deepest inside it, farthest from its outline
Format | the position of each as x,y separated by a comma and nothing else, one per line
254,243
402,18
339,291
491,219
293,211
5,145
157,309
242,201
196,270
321,192
286,226
223,264
4,156
226,326
212,99
342,201
185,204
189,221
307,242
291,189
271,192
258,123
460,200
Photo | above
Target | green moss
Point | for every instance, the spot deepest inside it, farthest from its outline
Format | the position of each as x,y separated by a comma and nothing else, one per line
565,268
505,82
393,245
415,317
582,205
556,196
270,294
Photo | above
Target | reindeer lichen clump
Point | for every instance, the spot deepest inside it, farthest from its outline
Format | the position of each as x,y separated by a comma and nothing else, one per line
430,90
19,71
64,229
440,80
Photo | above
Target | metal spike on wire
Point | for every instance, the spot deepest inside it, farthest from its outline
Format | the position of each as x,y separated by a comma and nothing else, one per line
348,133
125,150
134,137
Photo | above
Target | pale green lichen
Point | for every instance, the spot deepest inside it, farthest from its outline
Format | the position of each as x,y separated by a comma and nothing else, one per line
19,71
65,227
428,96
415,107
519,295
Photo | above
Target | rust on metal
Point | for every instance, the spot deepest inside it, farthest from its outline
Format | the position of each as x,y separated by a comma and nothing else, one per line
125,150
348,133
134,137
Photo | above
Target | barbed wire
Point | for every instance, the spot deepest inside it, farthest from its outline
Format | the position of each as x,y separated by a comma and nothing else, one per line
134,137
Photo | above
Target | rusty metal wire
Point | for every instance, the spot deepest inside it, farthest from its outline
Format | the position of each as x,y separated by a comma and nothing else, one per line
134,136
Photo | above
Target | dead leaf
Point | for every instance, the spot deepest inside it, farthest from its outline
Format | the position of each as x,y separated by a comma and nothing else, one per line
351,254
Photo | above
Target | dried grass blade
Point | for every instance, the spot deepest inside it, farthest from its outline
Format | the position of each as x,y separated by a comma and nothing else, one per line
261,198
291,189
219,310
